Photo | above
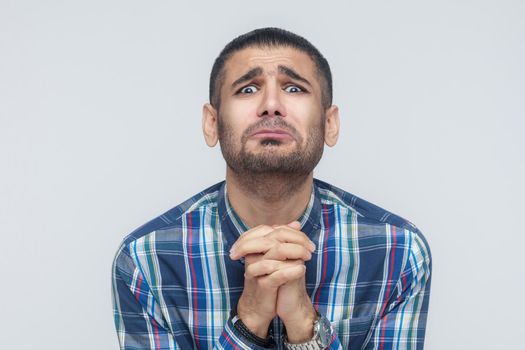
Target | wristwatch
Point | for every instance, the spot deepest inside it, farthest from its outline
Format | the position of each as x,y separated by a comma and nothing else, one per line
321,339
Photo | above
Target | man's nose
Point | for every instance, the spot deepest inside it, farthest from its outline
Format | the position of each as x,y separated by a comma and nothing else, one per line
272,103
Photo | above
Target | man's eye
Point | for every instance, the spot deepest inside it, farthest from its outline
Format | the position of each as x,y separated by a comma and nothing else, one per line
293,88
249,89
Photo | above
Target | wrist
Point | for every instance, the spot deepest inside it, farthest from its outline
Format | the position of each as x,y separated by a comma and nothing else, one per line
301,328
321,339
257,325
262,341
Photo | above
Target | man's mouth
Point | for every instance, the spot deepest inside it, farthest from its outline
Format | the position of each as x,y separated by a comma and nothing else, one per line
274,134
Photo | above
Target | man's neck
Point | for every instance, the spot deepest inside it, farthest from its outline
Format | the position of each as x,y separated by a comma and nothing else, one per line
268,199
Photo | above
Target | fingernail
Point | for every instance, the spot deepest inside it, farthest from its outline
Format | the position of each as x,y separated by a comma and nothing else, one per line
312,246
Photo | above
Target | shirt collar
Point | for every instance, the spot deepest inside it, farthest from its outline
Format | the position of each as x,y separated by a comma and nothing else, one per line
232,225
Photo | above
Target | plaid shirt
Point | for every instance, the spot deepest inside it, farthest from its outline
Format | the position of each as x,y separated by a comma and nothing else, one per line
174,283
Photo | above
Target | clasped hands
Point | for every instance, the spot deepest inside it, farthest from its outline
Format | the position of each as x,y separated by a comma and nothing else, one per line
274,280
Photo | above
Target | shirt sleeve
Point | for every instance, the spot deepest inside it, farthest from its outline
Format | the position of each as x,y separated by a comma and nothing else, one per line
402,324
138,318
231,338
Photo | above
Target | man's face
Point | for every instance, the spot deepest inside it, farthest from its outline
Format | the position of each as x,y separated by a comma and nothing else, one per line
271,118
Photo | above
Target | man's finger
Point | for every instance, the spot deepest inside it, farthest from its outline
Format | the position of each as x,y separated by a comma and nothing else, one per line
252,258
256,232
282,276
267,267
252,246
277,250
284,234
264,230
288,251
287,235
296,225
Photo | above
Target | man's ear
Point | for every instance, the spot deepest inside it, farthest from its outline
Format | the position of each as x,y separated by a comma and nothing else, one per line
210,124
331,133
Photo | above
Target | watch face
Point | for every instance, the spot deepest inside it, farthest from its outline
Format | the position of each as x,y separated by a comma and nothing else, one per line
325,332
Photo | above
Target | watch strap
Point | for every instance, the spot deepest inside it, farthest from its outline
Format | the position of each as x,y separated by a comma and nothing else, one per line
249,335
309,345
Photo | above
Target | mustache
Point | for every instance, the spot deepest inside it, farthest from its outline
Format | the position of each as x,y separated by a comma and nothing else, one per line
271,123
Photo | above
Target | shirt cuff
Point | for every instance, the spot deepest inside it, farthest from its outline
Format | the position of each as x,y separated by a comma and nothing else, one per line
231,338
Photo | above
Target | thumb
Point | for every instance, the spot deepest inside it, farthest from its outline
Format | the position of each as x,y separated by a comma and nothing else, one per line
295,225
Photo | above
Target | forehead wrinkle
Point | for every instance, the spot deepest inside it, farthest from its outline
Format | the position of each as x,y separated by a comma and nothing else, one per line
260,71
268,56
248,59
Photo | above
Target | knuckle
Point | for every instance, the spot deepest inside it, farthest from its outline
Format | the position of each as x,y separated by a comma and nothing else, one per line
272,236
264,283
249,270
269,240
275,279
269,265
278,253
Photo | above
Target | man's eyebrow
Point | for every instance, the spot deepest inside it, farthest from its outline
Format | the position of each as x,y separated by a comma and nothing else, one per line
292,74
252,73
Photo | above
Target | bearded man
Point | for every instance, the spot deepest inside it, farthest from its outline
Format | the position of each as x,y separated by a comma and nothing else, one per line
271,257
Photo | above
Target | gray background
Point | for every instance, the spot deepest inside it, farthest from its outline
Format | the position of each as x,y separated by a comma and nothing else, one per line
100,109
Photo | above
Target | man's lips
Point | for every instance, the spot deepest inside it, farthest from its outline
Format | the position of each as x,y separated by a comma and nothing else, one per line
272,133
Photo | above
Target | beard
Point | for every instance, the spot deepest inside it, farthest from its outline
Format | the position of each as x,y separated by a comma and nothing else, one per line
273,160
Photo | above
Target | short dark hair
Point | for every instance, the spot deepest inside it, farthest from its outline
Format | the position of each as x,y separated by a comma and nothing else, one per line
270,37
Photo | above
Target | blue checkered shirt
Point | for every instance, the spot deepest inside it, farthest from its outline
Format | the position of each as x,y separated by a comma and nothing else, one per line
174,285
